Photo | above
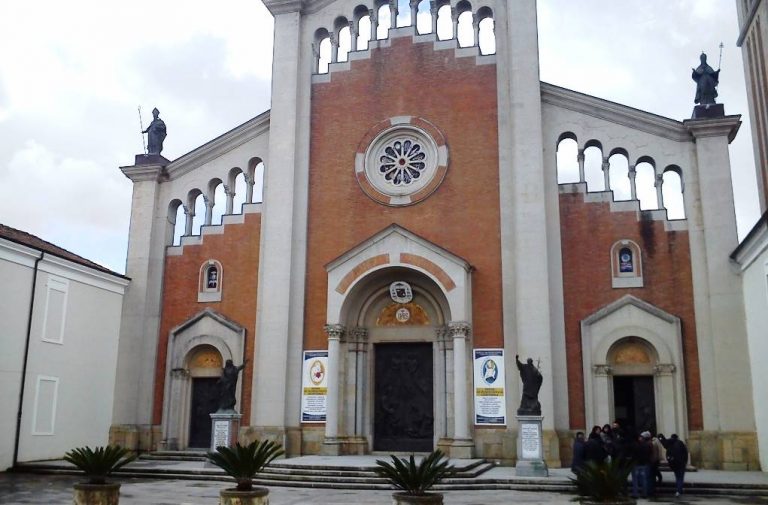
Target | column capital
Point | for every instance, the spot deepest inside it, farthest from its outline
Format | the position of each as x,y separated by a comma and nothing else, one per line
658,181
414,3
632,170
606,164
459,329
189,211
726,126
352,28
208,201
359,334
664,369
580,155
334,38
180,373
602,370
228,191
334,331
374,14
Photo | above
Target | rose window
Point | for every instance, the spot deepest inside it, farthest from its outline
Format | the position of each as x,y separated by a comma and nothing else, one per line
402,162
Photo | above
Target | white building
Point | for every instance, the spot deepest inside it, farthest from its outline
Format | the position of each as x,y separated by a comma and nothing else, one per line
59,323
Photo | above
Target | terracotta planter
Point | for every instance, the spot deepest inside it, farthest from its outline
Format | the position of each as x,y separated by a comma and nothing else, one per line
256,496
97,494
427,499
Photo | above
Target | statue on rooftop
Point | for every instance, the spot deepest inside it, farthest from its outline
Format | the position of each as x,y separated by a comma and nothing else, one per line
707,80
156,133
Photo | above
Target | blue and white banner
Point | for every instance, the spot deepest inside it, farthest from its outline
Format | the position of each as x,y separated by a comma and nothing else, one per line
490,402
314,386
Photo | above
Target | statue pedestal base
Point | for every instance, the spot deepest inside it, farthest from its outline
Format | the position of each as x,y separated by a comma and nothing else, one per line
708,111
225,427
530,448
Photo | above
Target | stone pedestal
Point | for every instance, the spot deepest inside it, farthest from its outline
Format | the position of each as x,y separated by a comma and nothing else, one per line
530,448
708,111
225,427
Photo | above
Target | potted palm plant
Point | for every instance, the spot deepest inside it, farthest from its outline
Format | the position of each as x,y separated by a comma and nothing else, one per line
603,483
243,463
97,464
414,481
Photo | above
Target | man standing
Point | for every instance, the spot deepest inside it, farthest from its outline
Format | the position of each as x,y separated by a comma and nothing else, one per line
578,452
677,457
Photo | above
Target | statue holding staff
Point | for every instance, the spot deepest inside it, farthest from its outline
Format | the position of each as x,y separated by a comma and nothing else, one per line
156,133
707,80
532,379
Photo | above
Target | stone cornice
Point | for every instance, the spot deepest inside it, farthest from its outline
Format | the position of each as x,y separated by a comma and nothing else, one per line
623,302
714,127
212,314
140,173
614,112
284,6
753,245
218,146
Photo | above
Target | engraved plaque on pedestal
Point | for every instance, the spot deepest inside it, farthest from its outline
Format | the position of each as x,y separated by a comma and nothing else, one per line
530,448
226,426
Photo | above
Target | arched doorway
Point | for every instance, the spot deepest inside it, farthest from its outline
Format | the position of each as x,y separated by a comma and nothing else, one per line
204,364
632,361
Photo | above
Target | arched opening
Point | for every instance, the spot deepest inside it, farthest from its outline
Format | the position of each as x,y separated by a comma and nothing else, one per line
197,204
344,37
444,23
176,222
404,13
619,175
632,361
593,166
672,192
423,18
256,172
220,203
385,22
486,28
362,20
398,394
204,363
322,50
567,159
465,31
645,178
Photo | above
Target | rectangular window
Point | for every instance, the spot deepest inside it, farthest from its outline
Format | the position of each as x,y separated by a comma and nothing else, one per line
44,414
55,315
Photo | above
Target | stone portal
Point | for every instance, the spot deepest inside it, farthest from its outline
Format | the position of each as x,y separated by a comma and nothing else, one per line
403,409
634,402
205,401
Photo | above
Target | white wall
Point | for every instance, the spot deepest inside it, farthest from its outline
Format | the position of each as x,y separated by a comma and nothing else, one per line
755,284
69,384
16,267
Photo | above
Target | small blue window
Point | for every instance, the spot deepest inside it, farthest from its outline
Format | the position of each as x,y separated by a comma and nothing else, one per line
626,261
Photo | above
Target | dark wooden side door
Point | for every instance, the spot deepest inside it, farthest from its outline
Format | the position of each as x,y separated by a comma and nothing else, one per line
403,418
204,402
635,402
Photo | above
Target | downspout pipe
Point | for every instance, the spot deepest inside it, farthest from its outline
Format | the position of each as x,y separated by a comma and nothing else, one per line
24,363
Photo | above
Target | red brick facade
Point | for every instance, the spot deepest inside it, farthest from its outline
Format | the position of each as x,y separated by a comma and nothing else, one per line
588,231
238,252
462,215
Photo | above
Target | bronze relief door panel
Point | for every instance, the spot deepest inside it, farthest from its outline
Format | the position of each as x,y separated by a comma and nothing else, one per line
403,418
205,401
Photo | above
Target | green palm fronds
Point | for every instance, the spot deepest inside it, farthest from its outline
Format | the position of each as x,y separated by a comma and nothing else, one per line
415,479
603,481
98,463
243,462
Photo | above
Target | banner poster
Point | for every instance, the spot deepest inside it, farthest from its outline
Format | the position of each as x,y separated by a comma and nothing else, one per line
314,386
490,403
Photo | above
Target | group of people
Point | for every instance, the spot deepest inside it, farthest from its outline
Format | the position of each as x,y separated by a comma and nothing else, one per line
643,451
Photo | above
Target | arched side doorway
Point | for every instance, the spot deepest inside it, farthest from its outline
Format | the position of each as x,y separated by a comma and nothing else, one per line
196,350
402,369
634,366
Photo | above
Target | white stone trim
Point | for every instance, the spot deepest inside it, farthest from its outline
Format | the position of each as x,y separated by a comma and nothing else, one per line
631,317
55,380
80,273
62,286
17,253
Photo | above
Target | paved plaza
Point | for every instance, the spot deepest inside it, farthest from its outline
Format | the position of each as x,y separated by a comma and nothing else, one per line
57,489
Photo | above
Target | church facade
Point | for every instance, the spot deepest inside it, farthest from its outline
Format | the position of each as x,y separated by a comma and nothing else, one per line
430,210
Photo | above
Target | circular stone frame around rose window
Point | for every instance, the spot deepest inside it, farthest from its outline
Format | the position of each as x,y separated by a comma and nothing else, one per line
401,161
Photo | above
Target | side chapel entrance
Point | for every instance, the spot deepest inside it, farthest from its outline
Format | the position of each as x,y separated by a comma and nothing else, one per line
635,402
204,403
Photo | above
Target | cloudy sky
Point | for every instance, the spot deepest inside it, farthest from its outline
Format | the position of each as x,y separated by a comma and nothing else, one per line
73,73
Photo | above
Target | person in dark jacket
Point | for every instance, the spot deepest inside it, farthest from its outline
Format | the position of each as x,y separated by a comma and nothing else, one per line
593,449
578,452
642,456
677,457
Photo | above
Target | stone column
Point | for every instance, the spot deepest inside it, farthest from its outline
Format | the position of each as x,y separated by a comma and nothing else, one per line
602,399
249,183
462,446
315,58
606,174
632,174
580,159
392,14
454,23
433,14
331,445
414,5
189,213
373,14
666,418
179,379
230,194
208,210
334,47
444,371
352,36
475,30
658,182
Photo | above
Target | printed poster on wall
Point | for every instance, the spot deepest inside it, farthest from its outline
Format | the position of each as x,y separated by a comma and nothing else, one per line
314,386
490,403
